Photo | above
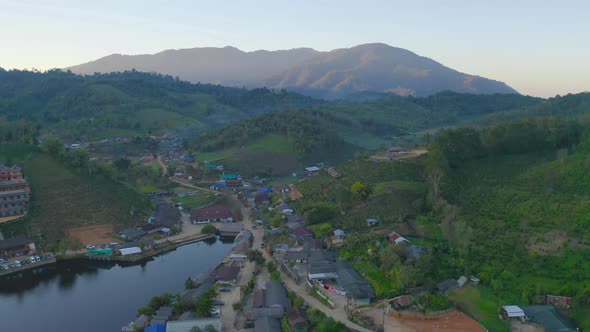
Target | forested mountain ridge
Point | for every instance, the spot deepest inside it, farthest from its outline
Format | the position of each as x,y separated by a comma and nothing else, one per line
130,102
369,67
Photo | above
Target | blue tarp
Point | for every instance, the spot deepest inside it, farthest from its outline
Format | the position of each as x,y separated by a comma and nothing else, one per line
222,184
264,190
189,158
155,328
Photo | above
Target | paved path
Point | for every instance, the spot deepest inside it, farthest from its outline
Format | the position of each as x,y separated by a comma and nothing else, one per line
338,313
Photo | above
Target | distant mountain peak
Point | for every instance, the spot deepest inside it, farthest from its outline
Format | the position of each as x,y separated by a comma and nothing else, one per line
376,67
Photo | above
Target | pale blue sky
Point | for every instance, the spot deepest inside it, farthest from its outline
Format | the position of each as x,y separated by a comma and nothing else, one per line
538,47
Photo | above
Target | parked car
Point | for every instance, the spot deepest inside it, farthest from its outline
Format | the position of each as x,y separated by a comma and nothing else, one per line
218,302
225,289
2,260
215,312
263,245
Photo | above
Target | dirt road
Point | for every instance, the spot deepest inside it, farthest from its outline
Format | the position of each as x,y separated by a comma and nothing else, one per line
163,165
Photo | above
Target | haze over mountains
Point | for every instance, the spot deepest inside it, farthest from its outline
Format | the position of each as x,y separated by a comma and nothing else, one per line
368,67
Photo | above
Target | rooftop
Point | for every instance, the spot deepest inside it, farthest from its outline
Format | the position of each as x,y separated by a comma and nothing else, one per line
218,212
267,324
187,325
549,317
15,242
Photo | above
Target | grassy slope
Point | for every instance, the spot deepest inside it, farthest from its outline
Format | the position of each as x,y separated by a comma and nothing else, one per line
481,306
63,199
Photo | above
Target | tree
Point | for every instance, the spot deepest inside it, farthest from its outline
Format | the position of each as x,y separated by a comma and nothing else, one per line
208,229
53,146
189,283
210,328
361,190
122,164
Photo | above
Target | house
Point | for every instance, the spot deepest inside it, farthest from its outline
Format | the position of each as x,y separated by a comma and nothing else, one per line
130,251
286,209
139,323
261,199
230,176
19,244
396,238
10,173
148,244
512,311
151,228
273,231
212,214
188,159
339,234
549,317
132,234
297,318
475,280
156,326
312,169
190,324
313,244
168,216
259,298
302,234
10,185
267,324
461,281
295,218
275,295
230,230
292,225
357,289
280,248
227,274
13,203
447,285
271,301
371,222
265,190
559,301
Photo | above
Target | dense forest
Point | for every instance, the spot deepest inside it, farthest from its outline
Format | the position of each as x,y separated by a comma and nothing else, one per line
305,131
512,200
79,107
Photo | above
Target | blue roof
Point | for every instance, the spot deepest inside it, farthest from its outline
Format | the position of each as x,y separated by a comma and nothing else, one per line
211,165
188,158
229,176
155,328
264,190
220,184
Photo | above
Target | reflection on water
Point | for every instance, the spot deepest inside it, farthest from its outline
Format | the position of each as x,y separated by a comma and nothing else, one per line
98,296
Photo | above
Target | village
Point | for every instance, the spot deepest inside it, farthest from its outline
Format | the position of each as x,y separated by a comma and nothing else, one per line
278,269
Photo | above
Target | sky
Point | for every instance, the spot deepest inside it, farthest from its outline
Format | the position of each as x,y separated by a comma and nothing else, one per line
539,47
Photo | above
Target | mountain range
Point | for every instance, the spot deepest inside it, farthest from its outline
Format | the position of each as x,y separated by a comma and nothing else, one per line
369,67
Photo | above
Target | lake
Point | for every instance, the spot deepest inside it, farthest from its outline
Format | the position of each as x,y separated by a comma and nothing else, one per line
89,296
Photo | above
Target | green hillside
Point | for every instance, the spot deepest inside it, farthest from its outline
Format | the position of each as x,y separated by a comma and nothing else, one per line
515,209
129,103
64,197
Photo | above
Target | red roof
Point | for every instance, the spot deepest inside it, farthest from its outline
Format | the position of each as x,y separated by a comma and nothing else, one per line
211,213
394,236
259,298
227,273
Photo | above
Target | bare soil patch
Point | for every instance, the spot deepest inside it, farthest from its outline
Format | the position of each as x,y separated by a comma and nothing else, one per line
93,234
452,322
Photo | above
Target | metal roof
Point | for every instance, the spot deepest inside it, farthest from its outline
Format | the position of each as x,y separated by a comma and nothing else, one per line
130,251
513,311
